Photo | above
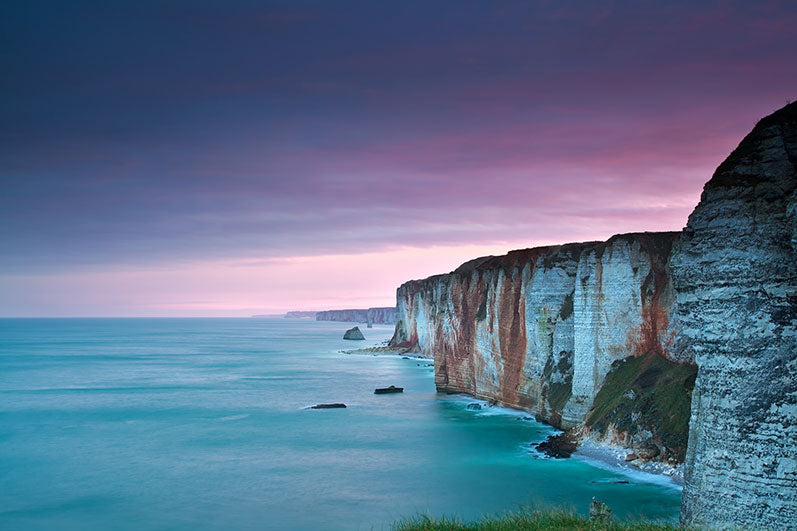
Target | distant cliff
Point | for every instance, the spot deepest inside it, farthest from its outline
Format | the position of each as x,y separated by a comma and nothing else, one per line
299,314
542,329
369,316
735,274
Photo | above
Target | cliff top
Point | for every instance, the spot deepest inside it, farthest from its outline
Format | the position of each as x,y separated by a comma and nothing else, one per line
652,242
767,153
359,309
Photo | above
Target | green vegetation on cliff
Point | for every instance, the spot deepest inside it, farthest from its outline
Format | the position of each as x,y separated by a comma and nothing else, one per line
647,393
527,521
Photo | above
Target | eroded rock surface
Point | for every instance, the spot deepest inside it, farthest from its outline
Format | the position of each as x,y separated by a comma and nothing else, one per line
539,329
386,315
735,274
604,336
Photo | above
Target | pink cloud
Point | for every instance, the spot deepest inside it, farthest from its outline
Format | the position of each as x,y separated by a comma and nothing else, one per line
235,287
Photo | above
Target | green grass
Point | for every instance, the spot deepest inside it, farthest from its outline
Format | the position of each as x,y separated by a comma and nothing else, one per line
660,402
526,521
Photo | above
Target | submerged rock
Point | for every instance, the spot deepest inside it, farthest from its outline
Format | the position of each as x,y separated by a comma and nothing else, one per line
474,407
328,406
387,390
353,333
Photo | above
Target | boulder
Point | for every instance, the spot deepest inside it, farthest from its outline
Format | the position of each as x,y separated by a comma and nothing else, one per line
353,333
474,407
328,406
648,451
559,446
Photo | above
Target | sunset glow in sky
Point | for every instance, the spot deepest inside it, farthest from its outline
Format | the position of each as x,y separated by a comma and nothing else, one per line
231,158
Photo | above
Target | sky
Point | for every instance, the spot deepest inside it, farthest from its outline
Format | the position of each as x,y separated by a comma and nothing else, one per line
202,158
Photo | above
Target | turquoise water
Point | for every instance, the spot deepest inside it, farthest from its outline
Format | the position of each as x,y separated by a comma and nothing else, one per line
199,424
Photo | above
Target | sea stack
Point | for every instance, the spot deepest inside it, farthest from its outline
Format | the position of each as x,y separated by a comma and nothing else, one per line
353,333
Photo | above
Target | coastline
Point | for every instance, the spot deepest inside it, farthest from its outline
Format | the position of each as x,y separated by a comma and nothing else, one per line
612,457
385,351
607,456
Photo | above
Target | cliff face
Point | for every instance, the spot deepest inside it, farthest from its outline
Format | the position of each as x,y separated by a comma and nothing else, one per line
300,314
370,316
385,315
540,329
735,274
605,336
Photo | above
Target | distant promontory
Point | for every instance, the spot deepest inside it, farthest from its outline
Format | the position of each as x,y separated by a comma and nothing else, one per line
369,316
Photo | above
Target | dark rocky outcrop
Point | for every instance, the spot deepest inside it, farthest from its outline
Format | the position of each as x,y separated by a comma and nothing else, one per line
388,390
353,333
559,446
735,275
328,406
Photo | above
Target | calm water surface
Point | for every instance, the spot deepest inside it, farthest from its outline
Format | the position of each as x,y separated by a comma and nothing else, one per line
200,424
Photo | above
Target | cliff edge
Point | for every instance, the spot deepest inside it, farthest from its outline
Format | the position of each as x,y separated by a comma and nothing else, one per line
544,329
370,316
681,346
735,276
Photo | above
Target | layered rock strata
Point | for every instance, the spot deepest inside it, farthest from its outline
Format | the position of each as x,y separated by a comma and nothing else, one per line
605,336
540,329
386,315
735,275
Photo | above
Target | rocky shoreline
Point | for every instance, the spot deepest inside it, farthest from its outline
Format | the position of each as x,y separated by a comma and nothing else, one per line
614,458
609,456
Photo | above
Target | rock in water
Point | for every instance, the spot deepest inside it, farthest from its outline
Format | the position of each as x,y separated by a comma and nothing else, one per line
353,333
735,277
474,407
599,512
328,406
559,446
388,390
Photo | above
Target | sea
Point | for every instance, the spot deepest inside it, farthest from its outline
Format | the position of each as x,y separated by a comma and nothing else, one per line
203,424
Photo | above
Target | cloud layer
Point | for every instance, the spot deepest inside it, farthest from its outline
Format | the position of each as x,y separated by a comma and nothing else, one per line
144,135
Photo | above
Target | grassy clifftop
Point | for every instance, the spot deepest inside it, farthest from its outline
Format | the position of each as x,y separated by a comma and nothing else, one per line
647,394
